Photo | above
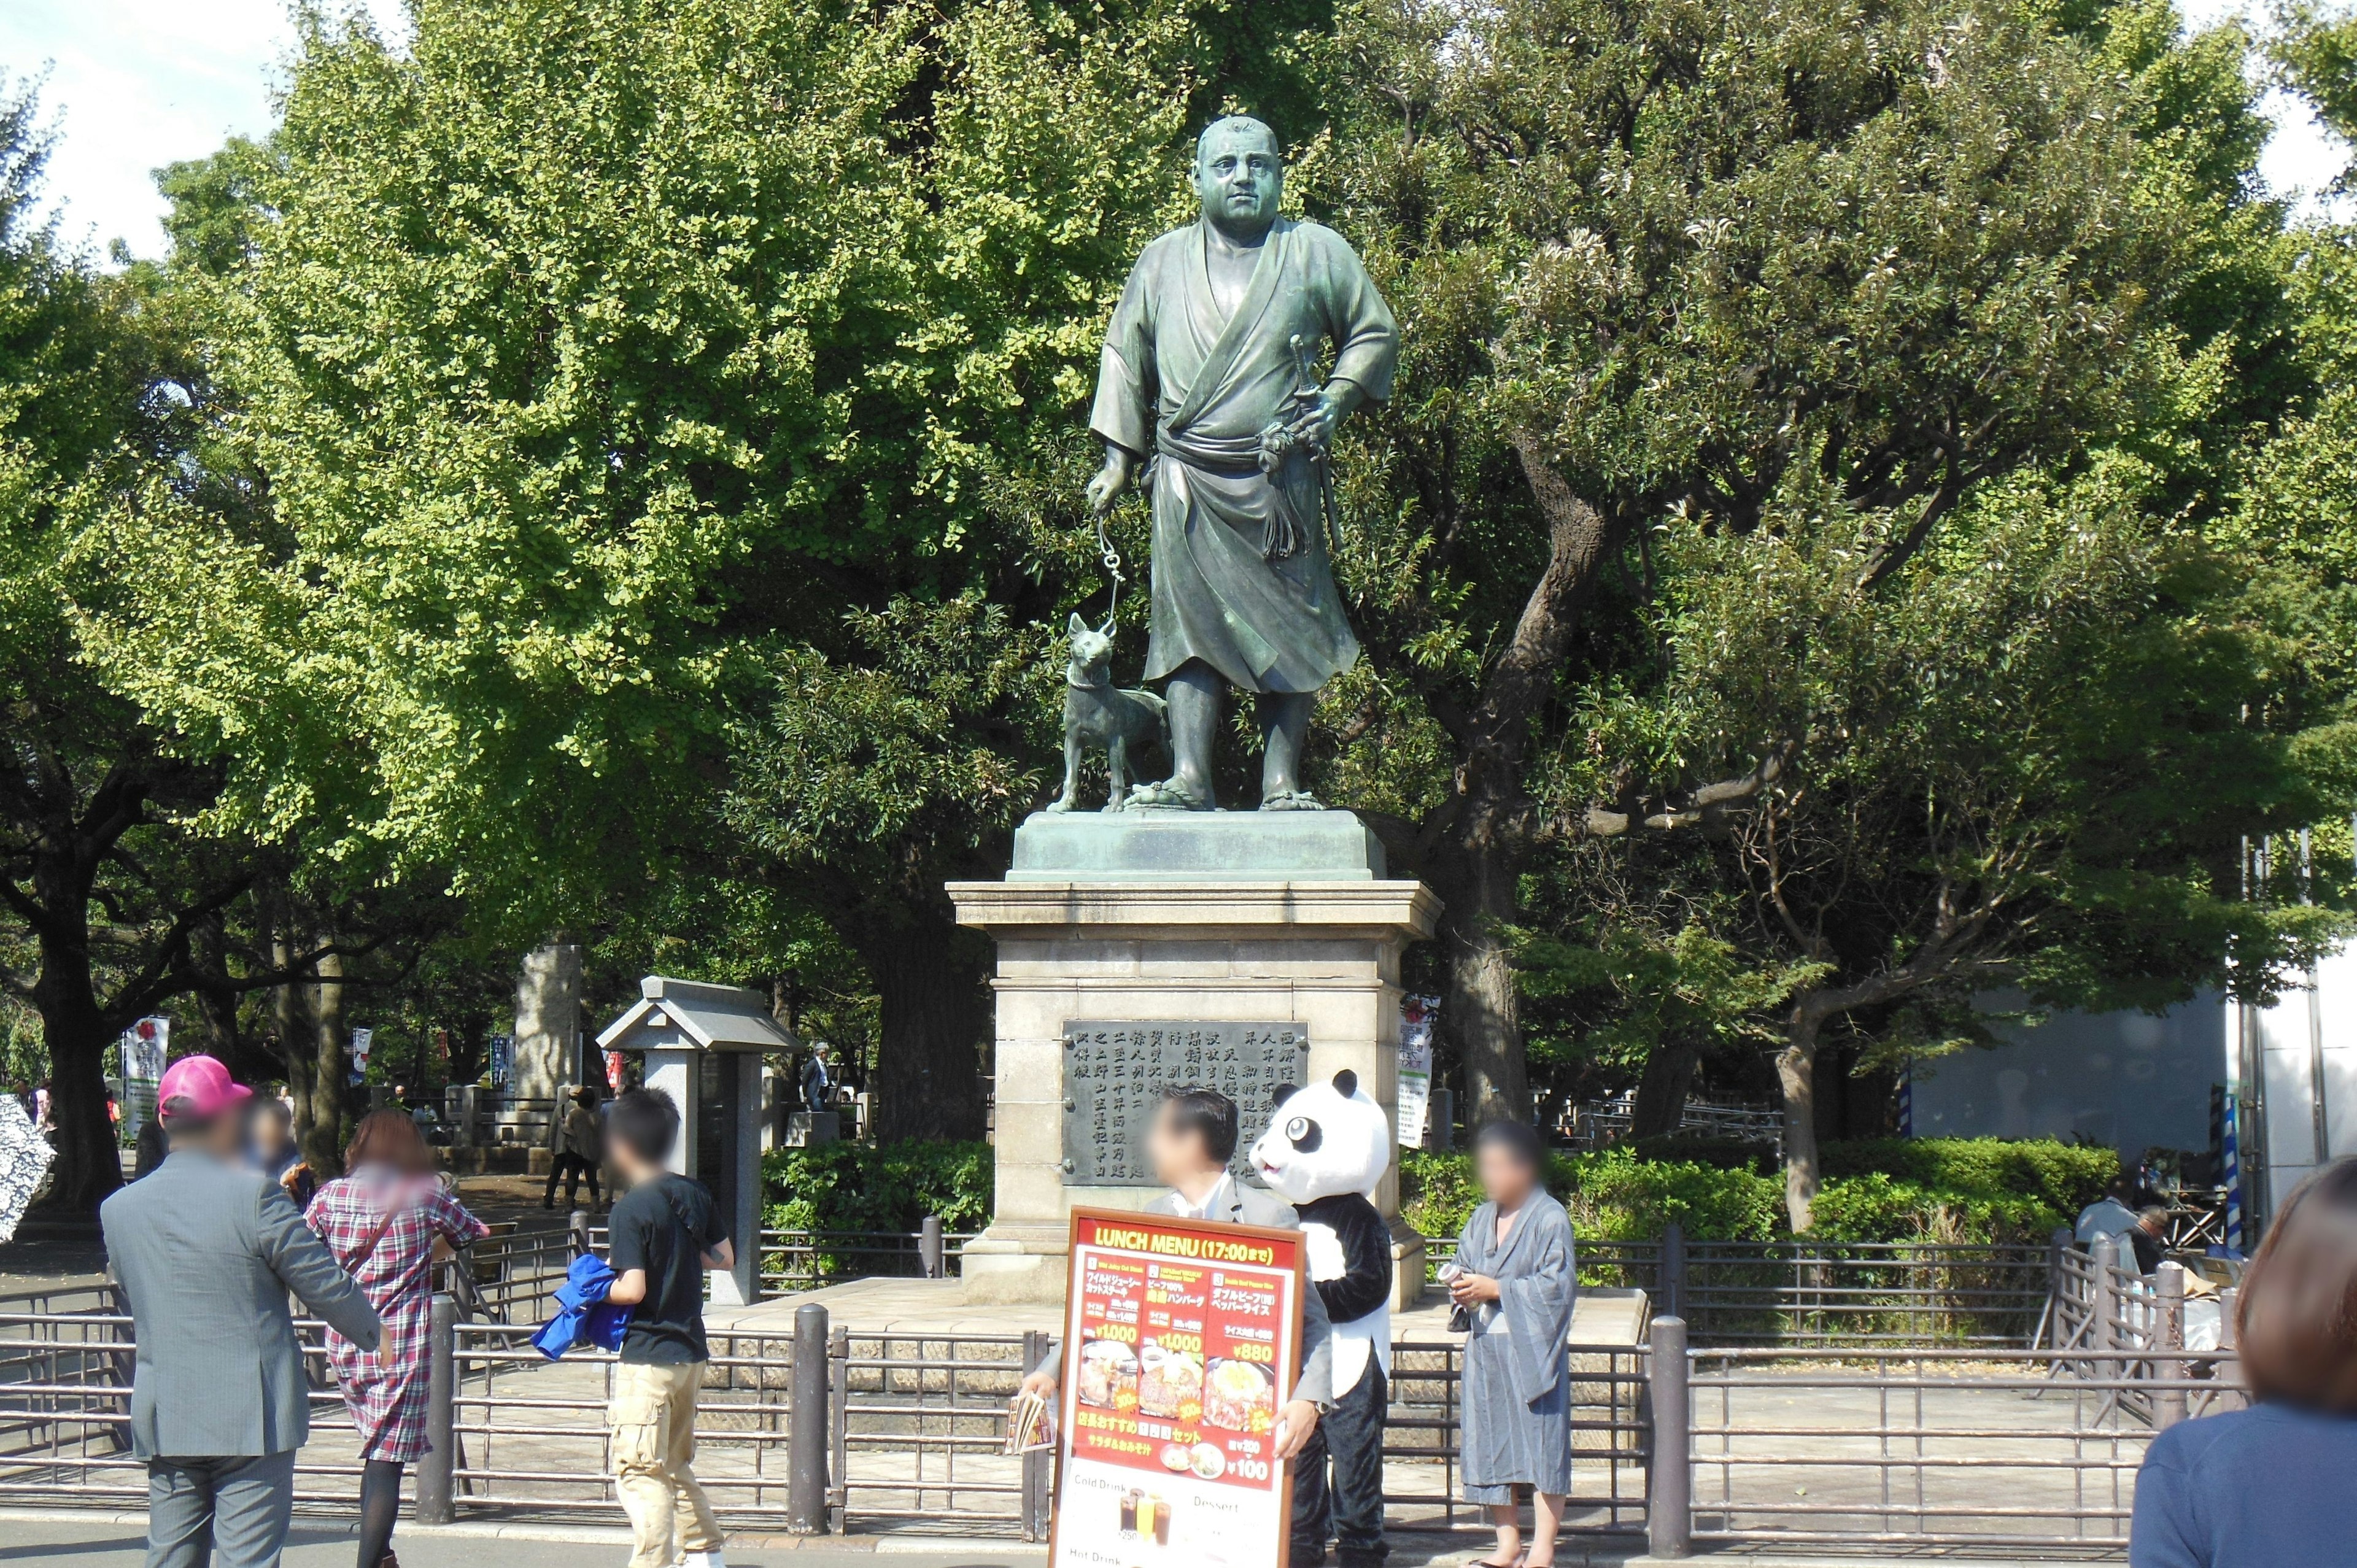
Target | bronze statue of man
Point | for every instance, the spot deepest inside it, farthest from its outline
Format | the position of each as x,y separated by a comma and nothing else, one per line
1210,384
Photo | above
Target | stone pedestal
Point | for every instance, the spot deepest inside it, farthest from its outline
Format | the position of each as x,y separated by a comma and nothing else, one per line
807,1129
1217,917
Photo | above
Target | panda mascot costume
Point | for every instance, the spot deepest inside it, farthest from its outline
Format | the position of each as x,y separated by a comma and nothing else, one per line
1326,1150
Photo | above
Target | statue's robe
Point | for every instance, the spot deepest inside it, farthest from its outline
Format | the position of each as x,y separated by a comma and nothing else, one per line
1241,575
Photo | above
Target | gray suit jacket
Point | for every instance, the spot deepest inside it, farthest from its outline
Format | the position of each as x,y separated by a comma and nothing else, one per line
1243,1205
207,1252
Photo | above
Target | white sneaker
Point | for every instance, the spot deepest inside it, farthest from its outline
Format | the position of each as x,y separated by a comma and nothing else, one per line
703,1560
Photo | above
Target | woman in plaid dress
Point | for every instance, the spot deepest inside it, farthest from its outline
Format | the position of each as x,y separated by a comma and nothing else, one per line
385,1222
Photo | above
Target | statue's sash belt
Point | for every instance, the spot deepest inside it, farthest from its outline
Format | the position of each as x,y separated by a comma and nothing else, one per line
1237,457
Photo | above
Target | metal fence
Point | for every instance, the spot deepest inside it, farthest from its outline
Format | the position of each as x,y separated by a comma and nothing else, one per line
1928,1447
65,1407
1795,1293
814,1427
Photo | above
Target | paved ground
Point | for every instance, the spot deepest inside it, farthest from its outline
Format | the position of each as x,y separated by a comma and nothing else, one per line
117,1541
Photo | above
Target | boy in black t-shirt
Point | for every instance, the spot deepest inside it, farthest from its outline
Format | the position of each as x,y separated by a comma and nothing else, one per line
662,1235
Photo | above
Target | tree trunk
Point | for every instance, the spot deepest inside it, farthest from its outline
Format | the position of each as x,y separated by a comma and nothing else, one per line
1661,1104
331,1097
1796,1070
932,981
88,1164
1479,1015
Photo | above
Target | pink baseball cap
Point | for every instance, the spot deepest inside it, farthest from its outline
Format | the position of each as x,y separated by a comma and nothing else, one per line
199,1086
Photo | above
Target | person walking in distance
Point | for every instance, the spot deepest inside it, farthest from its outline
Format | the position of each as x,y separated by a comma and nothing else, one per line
662,1235
580,1145
207,1249
388,1223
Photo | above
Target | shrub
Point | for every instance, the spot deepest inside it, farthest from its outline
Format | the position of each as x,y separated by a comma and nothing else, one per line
2065,1177
1612,1196
857,1186
1960,1190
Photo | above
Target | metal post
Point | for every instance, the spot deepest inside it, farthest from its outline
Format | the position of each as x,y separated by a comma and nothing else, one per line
928,1247
2103,1336
435,1491
1034,1464
2054,1319
576,1232
1673,1271
2228,1299
838,1372
1669,1487
2168,1336
807,1437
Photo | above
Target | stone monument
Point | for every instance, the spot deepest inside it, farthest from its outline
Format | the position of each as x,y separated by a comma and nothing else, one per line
1163,942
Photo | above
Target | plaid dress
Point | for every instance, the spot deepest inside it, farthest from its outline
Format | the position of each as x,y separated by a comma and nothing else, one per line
388,1401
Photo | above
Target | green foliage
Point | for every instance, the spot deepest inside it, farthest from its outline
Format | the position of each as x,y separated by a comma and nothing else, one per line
2064,1178
1929,1189
860,1186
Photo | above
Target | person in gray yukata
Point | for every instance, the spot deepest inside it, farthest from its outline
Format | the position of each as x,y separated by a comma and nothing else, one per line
1516,1285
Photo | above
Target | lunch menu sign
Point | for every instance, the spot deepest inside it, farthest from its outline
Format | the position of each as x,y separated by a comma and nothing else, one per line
1183,1339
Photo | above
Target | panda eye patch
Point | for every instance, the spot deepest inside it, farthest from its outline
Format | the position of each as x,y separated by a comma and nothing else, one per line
1304,1134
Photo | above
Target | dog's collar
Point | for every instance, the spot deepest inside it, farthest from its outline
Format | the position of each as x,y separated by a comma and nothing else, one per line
1104,684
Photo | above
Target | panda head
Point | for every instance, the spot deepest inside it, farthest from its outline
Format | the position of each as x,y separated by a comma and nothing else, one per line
1325,1139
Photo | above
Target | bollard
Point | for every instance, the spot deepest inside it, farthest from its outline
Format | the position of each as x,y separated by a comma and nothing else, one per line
807,1439
436,1503
928,1247
1673,1271
576,1232
1669,1485
2169,1335
1034,1464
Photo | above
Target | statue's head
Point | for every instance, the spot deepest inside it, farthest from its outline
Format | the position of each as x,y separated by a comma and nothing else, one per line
1240,174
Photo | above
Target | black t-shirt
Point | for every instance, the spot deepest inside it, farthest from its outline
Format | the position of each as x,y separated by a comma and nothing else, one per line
665,1227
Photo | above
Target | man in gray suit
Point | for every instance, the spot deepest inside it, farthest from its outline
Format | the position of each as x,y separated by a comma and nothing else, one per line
1190,1143
207,1250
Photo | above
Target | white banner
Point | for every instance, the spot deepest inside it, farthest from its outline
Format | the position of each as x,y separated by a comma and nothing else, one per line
1417,1014
145,1046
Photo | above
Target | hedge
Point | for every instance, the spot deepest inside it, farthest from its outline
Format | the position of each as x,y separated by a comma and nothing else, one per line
857,1186
1973,1190
1898,1189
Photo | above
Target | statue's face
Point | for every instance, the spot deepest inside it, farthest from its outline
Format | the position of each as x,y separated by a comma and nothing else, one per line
1239,175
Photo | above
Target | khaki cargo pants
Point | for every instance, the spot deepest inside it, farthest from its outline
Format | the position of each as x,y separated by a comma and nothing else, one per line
652,1422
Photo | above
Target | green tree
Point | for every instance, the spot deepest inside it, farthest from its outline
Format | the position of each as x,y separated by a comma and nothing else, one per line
108,879
1659,265
609,369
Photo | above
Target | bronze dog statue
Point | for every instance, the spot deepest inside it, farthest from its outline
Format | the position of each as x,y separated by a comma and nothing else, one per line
1096,711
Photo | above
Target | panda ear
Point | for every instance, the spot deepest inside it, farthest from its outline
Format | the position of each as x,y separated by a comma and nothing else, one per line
1285,1091
1345,1083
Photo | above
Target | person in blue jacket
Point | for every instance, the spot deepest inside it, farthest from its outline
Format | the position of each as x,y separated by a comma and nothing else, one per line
2269,1486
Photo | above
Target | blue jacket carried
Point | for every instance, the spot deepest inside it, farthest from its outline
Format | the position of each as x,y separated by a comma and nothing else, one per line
583,1316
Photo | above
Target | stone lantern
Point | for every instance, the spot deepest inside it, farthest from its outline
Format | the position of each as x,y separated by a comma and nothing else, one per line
703,1046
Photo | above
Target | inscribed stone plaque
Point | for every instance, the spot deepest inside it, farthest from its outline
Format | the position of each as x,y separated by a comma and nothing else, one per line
1114,1074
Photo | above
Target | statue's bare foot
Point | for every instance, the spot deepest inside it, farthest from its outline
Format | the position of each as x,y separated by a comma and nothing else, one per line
1291,800
1169,795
